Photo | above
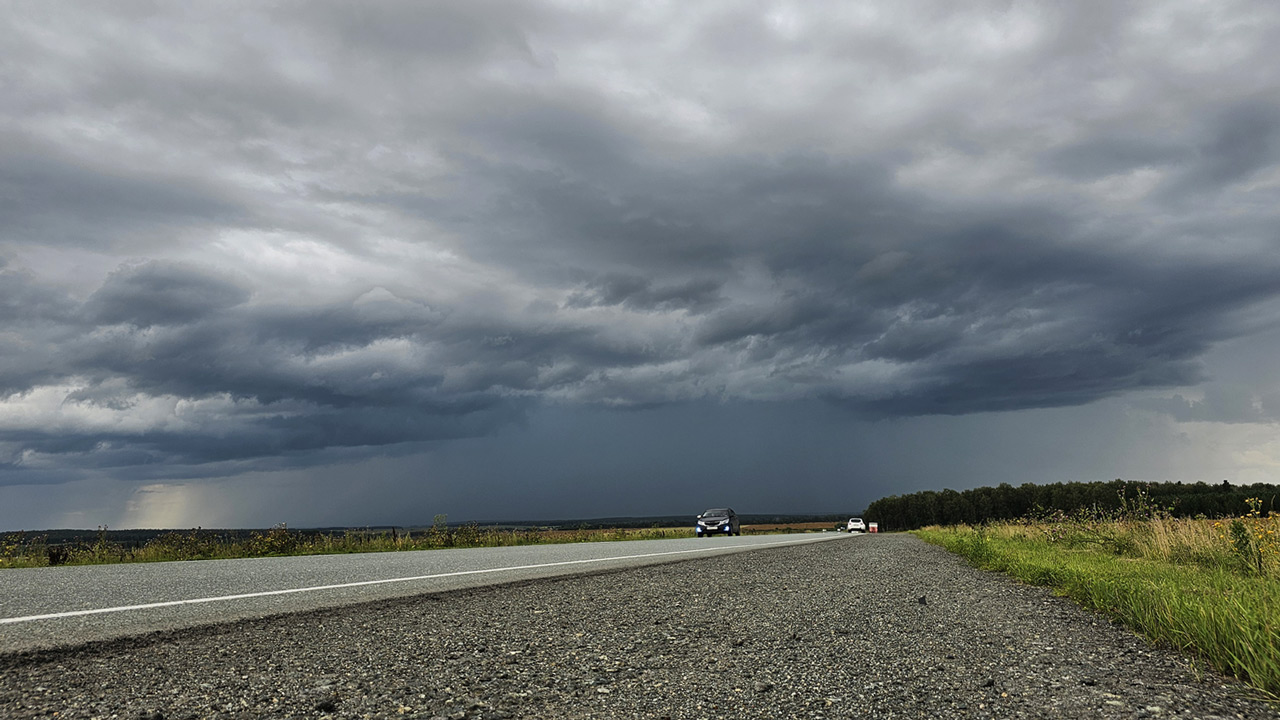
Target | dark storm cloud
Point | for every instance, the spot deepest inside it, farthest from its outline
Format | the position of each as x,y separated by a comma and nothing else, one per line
54,199
293,231
330,355
162,294
24,299
1101,156
294,439
1228,147
1233,147
792,212
1245,140
34,320
445,32
285,381
792,316
632,291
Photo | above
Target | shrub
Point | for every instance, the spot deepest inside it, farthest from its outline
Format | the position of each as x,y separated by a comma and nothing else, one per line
277,541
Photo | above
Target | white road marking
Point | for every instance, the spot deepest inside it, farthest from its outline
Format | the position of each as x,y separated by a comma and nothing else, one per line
315,588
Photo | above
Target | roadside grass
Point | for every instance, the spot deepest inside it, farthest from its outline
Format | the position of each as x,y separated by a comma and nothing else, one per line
1208,587
26,550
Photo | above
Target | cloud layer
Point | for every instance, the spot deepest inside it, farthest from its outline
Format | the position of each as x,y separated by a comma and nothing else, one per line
259,237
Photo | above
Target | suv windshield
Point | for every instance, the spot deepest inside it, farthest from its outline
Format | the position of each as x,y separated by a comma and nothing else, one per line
716,514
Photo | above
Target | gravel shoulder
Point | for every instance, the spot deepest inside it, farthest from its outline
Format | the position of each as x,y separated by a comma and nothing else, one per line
829,630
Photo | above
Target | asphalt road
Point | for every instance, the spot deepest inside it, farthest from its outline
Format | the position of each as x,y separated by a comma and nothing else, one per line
63,606
825,629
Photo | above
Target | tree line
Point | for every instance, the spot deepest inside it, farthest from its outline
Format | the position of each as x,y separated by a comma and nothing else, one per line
1006,502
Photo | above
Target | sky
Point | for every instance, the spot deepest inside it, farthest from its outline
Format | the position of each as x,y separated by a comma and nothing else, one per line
332,263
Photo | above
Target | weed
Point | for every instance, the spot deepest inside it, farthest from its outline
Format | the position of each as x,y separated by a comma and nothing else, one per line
439,535
1254,539
277,541
21,550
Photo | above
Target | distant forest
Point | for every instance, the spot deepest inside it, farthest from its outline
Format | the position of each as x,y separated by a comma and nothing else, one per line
1006,502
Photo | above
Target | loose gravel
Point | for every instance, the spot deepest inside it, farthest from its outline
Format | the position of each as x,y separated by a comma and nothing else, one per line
877,626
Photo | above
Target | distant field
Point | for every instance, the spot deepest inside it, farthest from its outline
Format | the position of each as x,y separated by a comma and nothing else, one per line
65,547
797,526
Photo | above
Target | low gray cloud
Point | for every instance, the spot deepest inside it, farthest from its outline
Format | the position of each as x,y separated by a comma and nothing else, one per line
1220,403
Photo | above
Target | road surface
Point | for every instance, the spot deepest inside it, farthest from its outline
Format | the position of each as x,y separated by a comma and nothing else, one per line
829,629
61,606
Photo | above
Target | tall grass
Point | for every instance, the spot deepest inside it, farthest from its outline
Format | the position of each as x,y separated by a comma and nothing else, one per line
1195,584
33,550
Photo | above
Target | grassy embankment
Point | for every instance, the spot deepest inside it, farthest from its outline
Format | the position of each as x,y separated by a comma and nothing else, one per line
18,550
1211,587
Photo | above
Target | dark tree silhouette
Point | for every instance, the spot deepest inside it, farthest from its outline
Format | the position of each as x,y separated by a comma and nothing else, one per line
1005,502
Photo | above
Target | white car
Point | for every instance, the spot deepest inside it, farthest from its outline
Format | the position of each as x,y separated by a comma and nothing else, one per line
856,525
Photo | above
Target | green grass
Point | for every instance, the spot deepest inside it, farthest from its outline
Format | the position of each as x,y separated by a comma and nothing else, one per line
1201,599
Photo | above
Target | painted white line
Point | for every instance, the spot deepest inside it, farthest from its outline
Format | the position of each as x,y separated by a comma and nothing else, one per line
316,588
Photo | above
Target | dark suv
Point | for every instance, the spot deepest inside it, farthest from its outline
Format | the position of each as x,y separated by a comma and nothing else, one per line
717,521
